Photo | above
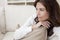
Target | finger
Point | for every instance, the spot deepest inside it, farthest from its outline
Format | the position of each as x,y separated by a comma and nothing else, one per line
46,24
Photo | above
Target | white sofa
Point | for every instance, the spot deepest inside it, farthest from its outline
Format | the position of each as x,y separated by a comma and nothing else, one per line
12,17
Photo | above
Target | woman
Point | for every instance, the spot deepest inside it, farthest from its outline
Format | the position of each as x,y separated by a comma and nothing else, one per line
47,15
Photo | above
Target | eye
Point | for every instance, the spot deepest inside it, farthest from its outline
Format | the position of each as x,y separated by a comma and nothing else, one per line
42,9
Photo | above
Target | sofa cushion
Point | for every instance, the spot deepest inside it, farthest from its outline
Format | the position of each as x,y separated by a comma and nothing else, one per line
1,36
8,36
17,15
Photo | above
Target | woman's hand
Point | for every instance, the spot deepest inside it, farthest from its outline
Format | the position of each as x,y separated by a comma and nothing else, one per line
44,23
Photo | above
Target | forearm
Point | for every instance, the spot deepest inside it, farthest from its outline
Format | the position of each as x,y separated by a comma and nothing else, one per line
20,33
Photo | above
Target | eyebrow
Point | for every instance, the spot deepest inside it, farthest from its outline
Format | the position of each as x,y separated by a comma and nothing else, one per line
41,8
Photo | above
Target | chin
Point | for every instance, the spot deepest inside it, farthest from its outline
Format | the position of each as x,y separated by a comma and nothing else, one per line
42,20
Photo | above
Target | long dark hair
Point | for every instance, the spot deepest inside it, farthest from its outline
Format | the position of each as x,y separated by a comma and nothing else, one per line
53,8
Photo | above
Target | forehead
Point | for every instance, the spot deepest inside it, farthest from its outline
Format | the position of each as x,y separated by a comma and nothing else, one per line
40,5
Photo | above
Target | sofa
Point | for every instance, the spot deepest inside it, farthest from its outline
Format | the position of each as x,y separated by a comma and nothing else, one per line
13,17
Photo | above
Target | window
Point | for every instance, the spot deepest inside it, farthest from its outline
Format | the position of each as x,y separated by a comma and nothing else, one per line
21,2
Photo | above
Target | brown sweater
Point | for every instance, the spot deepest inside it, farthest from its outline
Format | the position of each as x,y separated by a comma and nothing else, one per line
37,34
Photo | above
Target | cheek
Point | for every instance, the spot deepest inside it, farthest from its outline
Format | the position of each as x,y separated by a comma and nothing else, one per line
45,16
42,14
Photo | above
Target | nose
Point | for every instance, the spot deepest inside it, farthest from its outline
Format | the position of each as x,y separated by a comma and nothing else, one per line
38,12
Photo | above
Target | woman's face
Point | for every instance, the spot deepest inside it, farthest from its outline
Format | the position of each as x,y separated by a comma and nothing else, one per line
41,12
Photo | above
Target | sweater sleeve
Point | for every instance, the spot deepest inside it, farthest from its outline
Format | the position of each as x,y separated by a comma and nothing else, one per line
23,30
